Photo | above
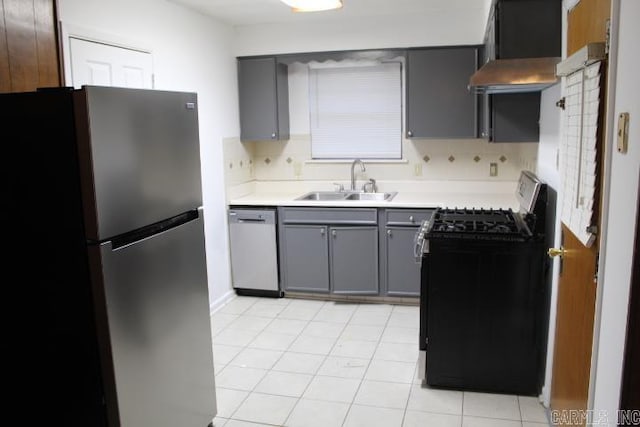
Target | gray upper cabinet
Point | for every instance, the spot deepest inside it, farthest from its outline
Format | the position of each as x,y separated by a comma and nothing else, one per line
515,117
518,29
264,99
439,103
354,260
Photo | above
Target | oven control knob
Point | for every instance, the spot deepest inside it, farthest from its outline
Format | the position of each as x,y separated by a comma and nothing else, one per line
554,252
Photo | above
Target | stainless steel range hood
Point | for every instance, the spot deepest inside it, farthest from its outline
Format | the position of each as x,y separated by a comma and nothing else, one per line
515,75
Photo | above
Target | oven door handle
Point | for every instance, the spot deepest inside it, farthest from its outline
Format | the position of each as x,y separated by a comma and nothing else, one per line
420,244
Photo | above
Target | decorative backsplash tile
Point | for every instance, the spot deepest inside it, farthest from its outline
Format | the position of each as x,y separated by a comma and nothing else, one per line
464,159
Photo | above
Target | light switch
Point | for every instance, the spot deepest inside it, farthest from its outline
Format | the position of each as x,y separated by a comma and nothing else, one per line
623,132
297,169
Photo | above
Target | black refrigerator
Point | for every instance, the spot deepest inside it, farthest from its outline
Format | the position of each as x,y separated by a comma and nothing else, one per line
108,308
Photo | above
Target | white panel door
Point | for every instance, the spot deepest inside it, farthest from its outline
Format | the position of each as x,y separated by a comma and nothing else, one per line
101,64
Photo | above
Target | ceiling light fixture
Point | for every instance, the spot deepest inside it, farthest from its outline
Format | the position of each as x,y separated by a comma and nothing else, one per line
313,5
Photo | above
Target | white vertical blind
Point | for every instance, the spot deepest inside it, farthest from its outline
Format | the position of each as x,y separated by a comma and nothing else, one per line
578,151
356,112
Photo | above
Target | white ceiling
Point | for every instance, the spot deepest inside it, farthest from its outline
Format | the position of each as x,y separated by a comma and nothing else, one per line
250,12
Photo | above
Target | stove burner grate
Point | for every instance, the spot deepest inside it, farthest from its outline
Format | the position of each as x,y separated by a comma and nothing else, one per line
478,224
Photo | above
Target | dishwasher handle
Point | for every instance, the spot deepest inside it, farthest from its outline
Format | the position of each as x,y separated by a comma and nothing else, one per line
252,220
252,216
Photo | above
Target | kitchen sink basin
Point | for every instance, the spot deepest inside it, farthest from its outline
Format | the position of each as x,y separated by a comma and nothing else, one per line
346,196
323,195
370,196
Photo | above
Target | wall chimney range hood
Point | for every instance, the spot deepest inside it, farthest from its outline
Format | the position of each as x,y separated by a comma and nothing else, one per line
515,75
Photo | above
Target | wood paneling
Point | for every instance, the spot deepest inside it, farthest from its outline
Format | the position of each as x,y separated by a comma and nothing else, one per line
47,42
574,325
29,52
21,44
588,23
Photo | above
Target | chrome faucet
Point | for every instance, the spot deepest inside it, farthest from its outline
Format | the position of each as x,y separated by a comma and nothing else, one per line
353,175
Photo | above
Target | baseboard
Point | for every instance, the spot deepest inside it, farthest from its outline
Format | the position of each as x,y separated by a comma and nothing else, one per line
259,293
217,304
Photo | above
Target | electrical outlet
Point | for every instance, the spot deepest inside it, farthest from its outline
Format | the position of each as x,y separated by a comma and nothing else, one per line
417,169
297,168
493,169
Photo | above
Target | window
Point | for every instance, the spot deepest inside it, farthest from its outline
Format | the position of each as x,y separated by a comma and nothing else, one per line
356,112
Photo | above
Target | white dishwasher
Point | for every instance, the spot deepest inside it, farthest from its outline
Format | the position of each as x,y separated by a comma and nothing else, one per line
254,255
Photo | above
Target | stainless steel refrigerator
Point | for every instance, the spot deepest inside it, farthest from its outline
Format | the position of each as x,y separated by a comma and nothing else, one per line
118,276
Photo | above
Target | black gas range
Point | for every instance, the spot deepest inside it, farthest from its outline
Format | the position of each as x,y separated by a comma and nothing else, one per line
482,309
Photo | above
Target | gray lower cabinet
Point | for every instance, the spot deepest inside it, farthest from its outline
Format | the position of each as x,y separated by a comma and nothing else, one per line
354,260
329,250
304,257
399,269
402,271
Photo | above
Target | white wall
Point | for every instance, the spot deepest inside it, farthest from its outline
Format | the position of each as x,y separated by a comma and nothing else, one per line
620,211
437,28
191,52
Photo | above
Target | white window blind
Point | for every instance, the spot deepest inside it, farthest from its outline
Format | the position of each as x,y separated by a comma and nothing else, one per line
356,112
578,151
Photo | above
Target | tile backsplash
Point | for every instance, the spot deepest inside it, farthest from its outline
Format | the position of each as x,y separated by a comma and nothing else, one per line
423,159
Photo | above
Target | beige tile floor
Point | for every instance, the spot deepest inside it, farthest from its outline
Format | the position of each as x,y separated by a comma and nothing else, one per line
308,363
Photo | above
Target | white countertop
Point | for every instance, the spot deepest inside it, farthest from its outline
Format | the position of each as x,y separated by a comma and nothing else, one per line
410,194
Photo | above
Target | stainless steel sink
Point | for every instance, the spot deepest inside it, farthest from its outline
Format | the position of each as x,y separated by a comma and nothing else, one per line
347,196
371,196
323,195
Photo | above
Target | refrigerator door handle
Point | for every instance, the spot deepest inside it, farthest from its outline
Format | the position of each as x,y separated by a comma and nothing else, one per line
144,233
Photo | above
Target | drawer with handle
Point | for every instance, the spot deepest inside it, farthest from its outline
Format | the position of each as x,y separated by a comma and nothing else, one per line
406,217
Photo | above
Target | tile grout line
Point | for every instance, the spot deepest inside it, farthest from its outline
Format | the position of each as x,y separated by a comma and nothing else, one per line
229,363
307,386
298,398
462,411
244,313
520,411
368,366
283,353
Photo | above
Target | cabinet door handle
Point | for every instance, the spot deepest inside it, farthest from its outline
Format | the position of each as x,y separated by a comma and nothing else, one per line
409,133
389,233
273,135
334,233
412,219
322,231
